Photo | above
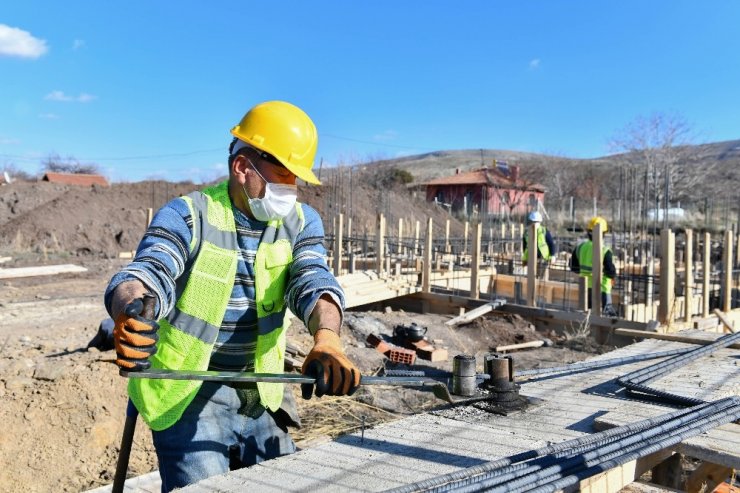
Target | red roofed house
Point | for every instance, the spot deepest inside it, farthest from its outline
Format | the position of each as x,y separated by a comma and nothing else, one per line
496,191
75,179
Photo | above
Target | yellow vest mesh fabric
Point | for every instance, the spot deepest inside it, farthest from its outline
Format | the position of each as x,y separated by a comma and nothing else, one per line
271,267
221,218
162,402
585,260
541,244
209,285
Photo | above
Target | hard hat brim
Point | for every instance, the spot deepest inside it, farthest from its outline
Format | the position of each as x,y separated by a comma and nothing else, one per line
304,174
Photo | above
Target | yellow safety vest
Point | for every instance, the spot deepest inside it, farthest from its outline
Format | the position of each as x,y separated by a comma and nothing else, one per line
541,243
585,261
187,334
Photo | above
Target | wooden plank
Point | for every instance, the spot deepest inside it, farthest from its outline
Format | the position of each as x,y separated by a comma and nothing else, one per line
338,245
475,313
42,270
5,259
727,273
380,247
597,268
642,334
667,277
426,282
532,266
688,289
707,476
613,480
706,274
475,265
728,325
523,345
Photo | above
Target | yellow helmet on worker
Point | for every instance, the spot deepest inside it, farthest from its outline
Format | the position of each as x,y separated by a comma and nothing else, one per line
284,131
600,221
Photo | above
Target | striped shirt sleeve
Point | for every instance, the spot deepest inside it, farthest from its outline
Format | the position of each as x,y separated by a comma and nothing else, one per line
161,256
310,277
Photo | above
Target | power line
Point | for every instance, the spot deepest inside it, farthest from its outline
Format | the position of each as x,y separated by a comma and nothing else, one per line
203,151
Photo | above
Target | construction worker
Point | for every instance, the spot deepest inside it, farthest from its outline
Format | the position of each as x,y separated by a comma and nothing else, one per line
581,262
223,266
545,245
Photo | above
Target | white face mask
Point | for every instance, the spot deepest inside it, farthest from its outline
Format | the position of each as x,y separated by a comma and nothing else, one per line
277,203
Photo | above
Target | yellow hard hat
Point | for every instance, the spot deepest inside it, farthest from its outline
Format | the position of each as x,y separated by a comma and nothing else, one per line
598,220
284,131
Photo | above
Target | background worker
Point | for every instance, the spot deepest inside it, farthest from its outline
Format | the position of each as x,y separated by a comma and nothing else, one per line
222,267
581,262
545,245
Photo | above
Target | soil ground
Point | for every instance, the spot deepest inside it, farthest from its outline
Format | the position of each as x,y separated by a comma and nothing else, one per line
62,407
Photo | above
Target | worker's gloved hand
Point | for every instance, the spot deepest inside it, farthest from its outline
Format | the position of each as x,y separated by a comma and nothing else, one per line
335,374
135,338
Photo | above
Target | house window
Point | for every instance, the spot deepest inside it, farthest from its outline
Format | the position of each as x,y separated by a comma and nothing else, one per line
440,197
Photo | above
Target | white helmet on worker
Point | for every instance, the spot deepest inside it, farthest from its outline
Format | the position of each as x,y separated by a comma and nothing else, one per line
534,217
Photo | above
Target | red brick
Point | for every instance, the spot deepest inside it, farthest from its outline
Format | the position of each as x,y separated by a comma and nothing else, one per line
401,355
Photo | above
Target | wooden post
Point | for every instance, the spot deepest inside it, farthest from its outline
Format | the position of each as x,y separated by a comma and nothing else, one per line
380,237
519,238
706,275
426,274
512,232
149,216
338,245
400,236
475,265
667,276
597,268
650,272
416,238
532,266
727,273
465,240
688,290
503,238
349,227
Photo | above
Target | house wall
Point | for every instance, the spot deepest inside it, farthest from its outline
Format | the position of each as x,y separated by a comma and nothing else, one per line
495,197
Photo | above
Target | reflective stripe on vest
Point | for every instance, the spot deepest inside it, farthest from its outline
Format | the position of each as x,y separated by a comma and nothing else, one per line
585,262
187,334
541,244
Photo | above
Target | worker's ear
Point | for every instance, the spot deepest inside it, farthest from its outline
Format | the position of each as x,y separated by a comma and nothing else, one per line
239,168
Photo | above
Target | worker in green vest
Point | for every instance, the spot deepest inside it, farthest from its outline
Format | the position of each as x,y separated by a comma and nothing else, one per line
581,262
221,268
545,245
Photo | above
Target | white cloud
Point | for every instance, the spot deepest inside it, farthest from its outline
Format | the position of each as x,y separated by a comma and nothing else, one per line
9,141
534,64
60,96
16,42
49,116
78,43
386,136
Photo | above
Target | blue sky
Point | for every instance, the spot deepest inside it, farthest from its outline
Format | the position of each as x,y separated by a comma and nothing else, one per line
151,89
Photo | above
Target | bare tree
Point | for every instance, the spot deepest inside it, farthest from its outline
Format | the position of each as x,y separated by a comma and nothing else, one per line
55,163
655,152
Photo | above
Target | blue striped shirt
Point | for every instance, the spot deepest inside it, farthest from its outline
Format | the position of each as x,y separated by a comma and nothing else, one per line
163,254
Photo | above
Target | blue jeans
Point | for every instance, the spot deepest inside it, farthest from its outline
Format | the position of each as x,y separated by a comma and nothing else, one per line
211,439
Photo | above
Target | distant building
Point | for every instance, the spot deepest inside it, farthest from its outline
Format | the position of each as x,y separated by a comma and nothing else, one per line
76,179
495,191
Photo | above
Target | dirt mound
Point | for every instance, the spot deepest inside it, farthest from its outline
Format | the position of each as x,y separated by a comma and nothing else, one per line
44,217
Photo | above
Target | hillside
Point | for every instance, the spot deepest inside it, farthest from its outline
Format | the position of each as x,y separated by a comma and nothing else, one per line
42,217
46,217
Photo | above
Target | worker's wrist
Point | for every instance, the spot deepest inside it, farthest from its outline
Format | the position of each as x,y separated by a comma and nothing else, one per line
325,334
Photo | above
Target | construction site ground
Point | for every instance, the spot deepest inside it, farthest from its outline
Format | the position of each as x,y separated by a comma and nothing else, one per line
62,407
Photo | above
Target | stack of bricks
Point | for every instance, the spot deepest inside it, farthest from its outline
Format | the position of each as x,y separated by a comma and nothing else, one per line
426,351
394,353
407,355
